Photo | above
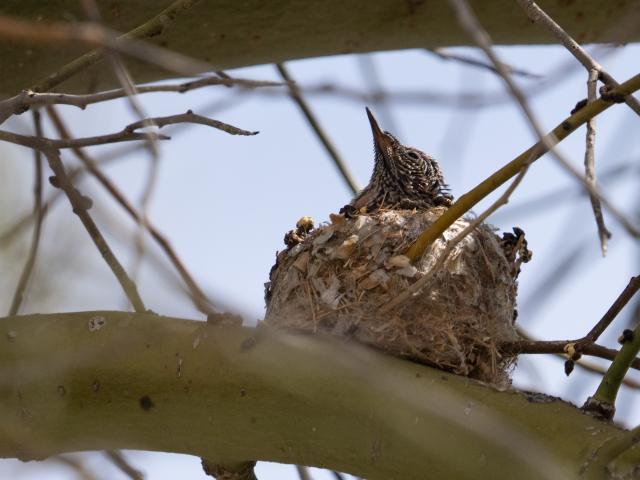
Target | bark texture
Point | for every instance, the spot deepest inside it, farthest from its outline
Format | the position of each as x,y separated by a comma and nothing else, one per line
105,380
232,33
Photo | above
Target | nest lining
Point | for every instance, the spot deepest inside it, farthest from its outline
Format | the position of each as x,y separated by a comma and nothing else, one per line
338,275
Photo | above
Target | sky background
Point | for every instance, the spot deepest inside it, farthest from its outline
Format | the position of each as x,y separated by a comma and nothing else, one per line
226,201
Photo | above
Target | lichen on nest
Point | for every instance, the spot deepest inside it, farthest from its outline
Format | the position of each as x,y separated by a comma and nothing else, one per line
334,279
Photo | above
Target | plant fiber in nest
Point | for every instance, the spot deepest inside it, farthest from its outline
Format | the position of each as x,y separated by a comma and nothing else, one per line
336,279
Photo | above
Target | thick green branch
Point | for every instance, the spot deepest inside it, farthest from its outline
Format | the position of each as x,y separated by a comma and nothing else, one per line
103,380
467,201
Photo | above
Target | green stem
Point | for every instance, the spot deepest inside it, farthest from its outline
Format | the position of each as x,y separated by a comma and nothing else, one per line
603,401
467,201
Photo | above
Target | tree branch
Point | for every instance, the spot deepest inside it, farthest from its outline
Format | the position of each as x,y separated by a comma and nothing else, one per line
340,164
28,98
200,299
467,201
127,134
39,212
81,205
590,164
102,380
242,33
536,14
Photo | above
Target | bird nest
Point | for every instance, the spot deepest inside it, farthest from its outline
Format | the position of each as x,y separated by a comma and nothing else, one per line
337,279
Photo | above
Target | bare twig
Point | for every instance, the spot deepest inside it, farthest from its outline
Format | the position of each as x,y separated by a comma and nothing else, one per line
471,25
125,135
319,131
564,129
119,461
81,205
589,164
580,362
629,291
200,299
76,465
471,100
189,117
115,154
39,213
11,233
41,143
540,203
124,78
560,346
303,473
445,54
537,15
29,98
585,345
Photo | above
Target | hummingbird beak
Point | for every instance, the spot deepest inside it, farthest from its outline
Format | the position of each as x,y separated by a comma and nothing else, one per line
381,139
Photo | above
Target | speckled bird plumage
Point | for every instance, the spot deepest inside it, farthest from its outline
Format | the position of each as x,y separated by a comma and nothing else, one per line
403,177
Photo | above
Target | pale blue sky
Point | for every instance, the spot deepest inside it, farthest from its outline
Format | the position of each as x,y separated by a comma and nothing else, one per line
226,201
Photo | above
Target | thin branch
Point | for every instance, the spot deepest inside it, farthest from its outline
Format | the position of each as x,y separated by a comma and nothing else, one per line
537,15
539,204
559,133
125,135
119,461
418,285
598,370
39,213
590,167
347,176
585,345
126,81
81,205
114,154
602,403
29,98
564,354
445,54
200,299
12,232
546,143
303,473
42,143
561,346
76,465
625,296
189,117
